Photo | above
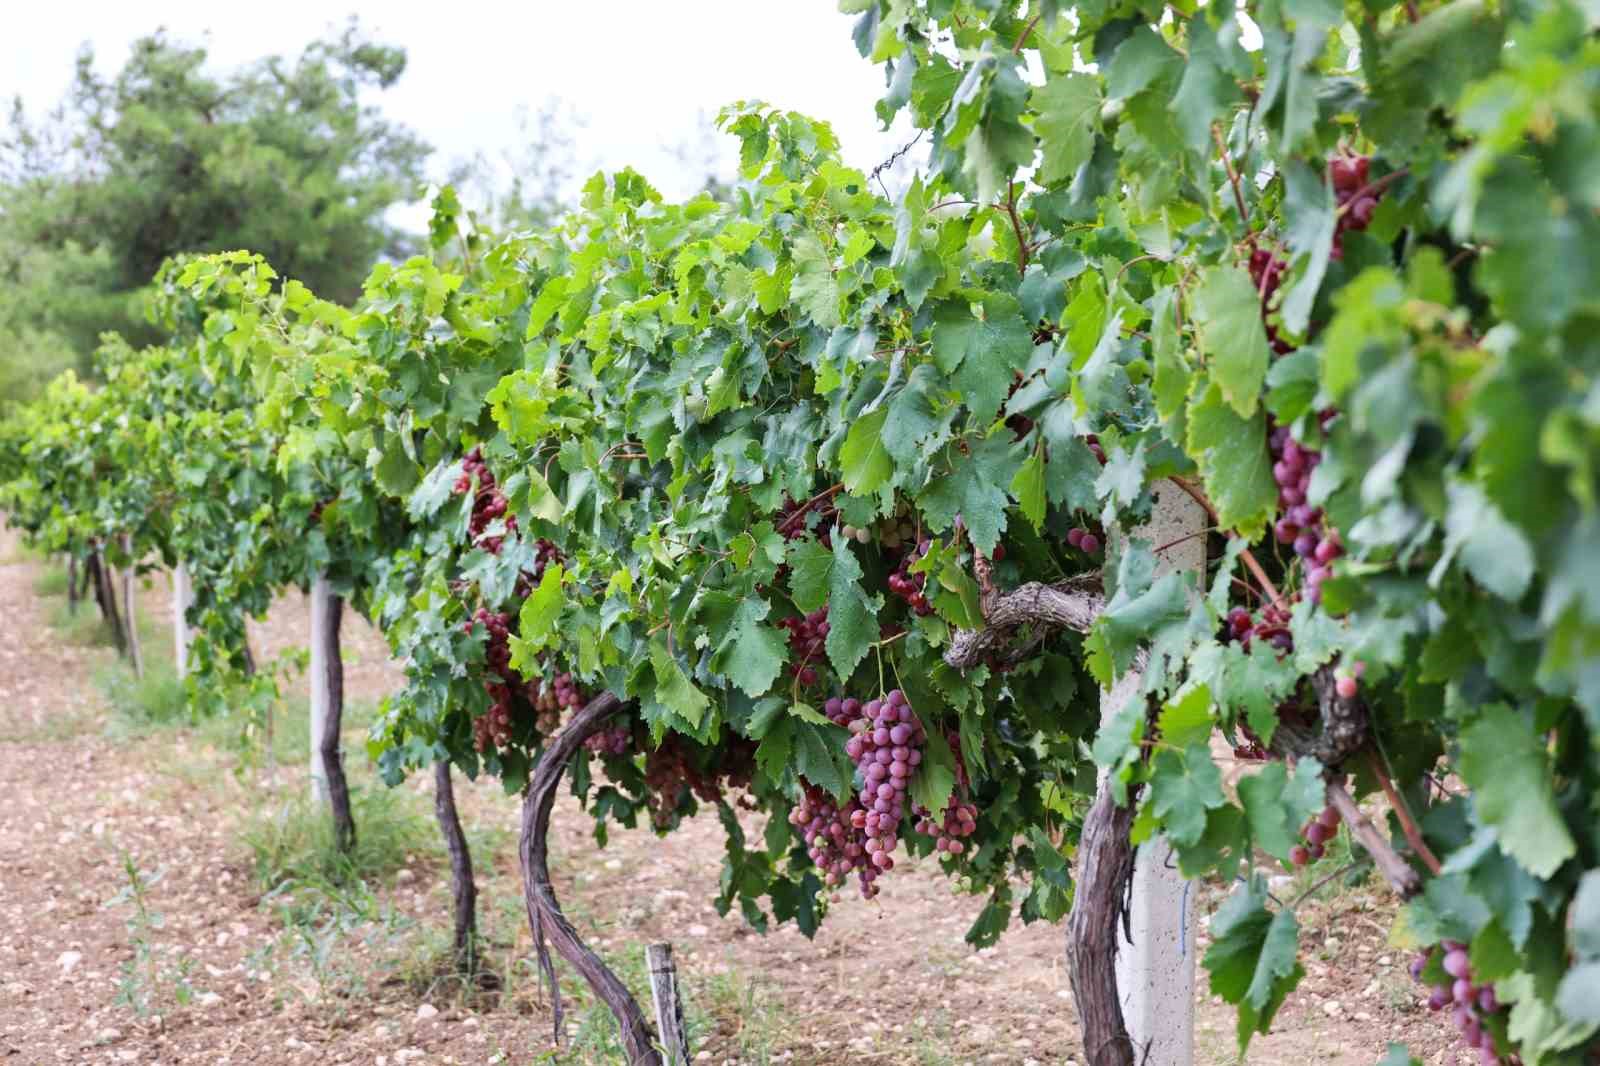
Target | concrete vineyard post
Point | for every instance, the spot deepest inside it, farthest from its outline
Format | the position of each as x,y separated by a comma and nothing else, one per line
1155,973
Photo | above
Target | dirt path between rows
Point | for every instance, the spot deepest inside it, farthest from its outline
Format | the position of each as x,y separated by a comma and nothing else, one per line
96,818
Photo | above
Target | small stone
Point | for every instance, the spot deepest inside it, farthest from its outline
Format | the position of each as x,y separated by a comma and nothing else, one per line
1333,1008
106,1036
408,1054
1362,1016
613,864
208,999
1332,943
698,930
405,876
69,961
1385,960
704,1056
426,1011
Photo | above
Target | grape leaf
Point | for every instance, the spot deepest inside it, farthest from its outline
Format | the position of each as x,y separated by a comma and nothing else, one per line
1234,461
1227,311
752,655
814,287
973,491
852,617
1067,114
673,688
864,458
1503,759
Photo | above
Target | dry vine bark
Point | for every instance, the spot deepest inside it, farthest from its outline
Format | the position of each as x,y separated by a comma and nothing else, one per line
544,913
462,884
329,749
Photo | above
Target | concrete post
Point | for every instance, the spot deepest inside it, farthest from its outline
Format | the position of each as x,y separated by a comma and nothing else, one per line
1155,973
182,597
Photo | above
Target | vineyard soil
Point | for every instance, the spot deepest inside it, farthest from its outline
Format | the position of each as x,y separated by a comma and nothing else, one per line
220,976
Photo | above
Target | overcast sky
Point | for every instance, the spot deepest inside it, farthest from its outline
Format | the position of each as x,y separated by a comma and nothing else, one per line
643,73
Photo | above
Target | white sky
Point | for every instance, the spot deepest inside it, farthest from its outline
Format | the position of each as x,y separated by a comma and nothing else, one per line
641,72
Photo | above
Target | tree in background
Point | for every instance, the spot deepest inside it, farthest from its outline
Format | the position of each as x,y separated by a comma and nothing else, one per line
165,156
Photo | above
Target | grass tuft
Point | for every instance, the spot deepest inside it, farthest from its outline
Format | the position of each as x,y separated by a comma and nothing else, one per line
50,582
294,844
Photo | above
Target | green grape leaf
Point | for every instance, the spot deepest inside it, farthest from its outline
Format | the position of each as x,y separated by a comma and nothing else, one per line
1227,312
1503,760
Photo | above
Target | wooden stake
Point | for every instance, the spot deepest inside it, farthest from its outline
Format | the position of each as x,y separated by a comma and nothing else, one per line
669,1007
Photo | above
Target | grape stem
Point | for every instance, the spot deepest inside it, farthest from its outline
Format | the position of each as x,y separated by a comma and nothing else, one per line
1321,883
800,513
1401,877
1233,175
1402,813
1022,37
1016,227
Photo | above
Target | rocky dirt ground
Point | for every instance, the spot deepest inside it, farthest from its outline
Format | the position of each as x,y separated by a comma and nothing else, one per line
135,926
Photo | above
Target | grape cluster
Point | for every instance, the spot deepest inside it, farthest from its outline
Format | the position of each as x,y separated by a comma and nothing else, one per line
670,772
1301,524
494,727
808,635
1357,203
959,822
553,696
834,843
1266,273
545,553
1470,1003
1084,539
1316,833
898,533
793,518
909,586
615,740
488,505
960,818
1272,626
886,747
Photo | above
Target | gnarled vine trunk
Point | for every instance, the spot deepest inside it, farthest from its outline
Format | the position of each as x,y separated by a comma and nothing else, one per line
462,884
72,583
106,596
544,913
327,612
1099,914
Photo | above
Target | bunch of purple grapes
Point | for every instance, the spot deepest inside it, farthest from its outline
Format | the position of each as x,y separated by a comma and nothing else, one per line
1470,1003
1301,524
832,839
1316,833
494,727
1266,273
1084,539
615,740
808,635
949,834
553,696
886,747
487,505
1272,627
1357,202
545,553
909,586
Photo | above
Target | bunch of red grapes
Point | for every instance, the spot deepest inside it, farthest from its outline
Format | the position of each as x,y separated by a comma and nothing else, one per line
545,553
808,634
960,818
494,727
835,844
488,505
1301,524
670,771
1470,1002
1357,202
615,740
1272,626
911,587
1084,539
792,518
555,695
1316,833
886,747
